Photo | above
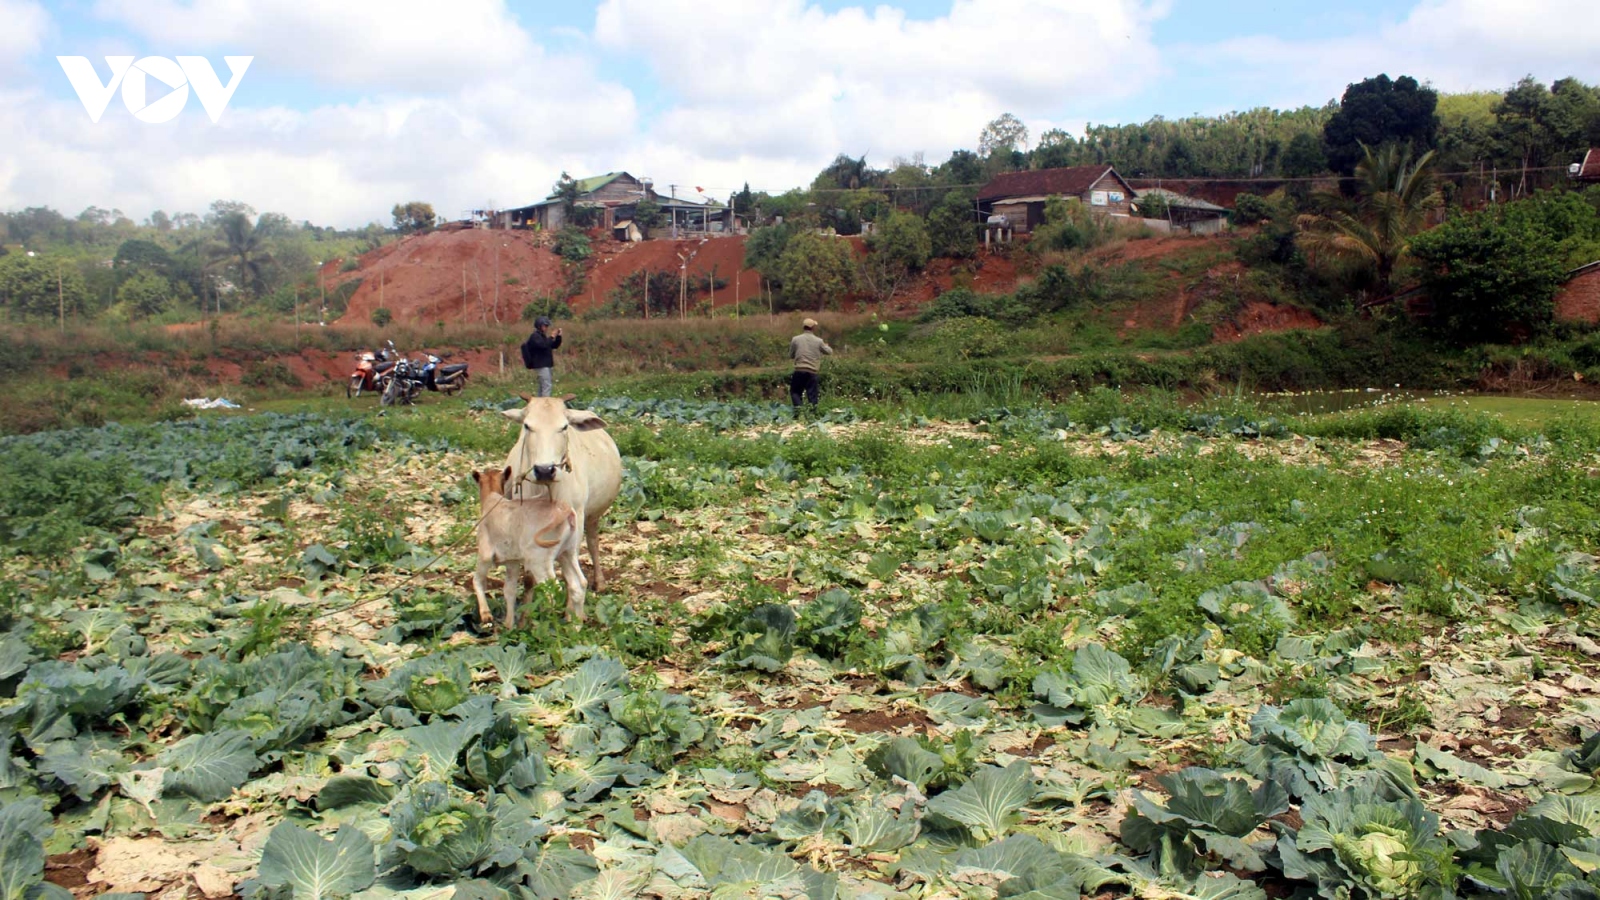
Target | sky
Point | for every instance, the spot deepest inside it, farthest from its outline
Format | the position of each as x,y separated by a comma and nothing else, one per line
349,107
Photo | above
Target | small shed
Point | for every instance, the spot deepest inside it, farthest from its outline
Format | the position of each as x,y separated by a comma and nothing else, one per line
1190,214
1020,196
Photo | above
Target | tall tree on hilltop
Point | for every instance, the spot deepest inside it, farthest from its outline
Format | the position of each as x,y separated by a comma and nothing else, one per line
1379,111
243,244
1396,193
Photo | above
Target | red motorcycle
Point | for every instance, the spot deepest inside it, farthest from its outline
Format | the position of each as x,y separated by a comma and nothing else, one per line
372,371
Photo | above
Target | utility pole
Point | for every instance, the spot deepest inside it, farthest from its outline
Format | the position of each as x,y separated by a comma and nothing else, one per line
497,282
297,315
61,301
463,292
645,274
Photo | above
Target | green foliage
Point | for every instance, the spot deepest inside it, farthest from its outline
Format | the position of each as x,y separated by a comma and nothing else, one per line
1491,273
896,248
572,244
413,216
1204,821
1378,111
545,306
316,869
953,226
647,215
815,269
24,827
147,293
381,316
40,287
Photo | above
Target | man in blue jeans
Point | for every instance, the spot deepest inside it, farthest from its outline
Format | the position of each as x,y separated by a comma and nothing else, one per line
807,350
536,353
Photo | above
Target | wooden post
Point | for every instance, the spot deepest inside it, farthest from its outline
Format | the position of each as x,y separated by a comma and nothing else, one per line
497,283
297,316
683,287
463,292
736,274
646,274
477,278
61,301
711,285
381,279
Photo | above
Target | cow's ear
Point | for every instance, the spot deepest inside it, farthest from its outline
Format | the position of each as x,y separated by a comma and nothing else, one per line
505,476
568,398
583,420
525,397
514,415
477,476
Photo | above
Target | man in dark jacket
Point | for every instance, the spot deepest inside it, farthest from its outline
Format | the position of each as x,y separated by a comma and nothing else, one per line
536,353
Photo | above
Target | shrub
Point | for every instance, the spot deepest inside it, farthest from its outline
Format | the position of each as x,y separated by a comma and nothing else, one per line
1490,273
350,265
381,316
546,306
572,244
1249,209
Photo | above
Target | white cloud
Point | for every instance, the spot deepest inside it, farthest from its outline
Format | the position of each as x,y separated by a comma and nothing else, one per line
25,24
776,82
1456,45
397,45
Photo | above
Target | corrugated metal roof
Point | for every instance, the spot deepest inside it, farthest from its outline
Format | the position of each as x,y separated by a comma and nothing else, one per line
1591,165
1181,201
1070,181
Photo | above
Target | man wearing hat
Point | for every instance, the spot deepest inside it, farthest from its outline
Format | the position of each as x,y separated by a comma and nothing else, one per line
536,353
807,350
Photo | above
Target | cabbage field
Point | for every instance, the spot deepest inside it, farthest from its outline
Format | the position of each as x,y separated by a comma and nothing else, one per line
1119,647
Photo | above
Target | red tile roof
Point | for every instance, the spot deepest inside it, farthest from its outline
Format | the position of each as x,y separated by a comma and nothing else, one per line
1591,165
1073,181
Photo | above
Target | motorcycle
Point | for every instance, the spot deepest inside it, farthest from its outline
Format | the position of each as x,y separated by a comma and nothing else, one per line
446,379
371,370
409,377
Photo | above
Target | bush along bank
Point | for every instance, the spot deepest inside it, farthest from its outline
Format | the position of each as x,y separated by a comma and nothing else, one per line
1325,359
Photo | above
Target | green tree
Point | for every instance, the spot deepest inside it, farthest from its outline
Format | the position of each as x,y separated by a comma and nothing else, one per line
1491,274
647,215
242,246
146,293
382,316
1304,157
1004,135
815,269
963,167
412,217
763,249
1396,194
1380,111
141,256
897,247
39,286
953,224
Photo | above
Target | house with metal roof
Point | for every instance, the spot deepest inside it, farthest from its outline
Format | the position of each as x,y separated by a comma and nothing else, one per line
1020,196
614,197
1181,212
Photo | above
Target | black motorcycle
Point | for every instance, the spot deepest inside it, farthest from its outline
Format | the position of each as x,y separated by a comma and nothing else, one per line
410,377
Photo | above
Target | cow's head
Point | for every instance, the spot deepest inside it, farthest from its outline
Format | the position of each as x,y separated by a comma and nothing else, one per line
541,452
491,482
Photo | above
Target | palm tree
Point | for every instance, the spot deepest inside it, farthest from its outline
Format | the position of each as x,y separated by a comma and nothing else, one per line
242,243
1396,196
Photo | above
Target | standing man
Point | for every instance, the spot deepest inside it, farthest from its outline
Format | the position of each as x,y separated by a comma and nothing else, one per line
807,350
536,353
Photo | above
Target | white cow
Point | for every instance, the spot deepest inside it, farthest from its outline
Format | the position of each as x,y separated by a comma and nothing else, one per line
533,535
569,451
